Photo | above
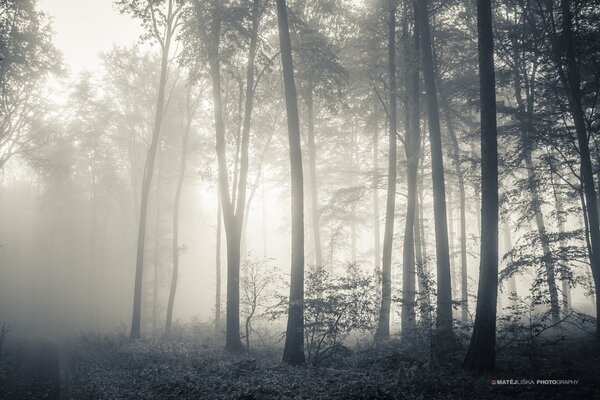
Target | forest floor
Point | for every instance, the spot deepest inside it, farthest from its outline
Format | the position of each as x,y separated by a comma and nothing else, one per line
113,367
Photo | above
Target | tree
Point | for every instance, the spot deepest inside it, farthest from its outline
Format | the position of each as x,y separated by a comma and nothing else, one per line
27,58
190,108
444,285
154,19
482,353
293,352
233,202
383,327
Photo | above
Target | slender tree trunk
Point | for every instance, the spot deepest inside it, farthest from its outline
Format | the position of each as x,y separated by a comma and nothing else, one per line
156,246
383,327
147,181
574,100
481,355
293,352
444,284
218,267
233,206
464,291
312,163
184,151
412,147
566,290
525,107
376,227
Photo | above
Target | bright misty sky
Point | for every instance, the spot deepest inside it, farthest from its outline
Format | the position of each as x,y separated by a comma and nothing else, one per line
84,28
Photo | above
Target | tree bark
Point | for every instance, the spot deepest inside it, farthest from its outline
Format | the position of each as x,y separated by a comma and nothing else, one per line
444,284
481,355
218,267
148,173
312,164
573,83
383,327
184,151
293,352
412,149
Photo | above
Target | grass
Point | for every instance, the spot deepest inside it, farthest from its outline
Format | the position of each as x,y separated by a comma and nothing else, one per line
113,367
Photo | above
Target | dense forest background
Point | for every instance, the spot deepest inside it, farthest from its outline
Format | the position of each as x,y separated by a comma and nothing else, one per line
411,185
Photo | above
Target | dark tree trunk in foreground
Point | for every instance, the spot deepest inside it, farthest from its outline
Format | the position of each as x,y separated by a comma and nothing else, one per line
481,355
293,353
573,83
383,327
444,285
148,173
184,151
376,228
412,148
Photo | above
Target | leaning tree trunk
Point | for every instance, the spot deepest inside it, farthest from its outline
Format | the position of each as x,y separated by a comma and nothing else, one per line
147,182
383,327
525,107
444,285
458,170
184,151
412,147
573,86
481,355
293,352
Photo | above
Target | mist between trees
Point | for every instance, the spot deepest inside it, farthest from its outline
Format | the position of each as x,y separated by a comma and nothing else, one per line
306,176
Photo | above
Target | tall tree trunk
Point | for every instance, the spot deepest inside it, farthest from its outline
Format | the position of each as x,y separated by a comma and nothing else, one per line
148,173
460,175
376,227
184,151
293,352
481,355
525,107
156,246
312,165
444,284
218,267
383,327
574,99
233,206
412,149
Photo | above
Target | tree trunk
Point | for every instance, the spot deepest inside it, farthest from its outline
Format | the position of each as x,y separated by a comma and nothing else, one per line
574,100
147,181
376,227
444,285
464,291
412,148
383,327
293,352
481,355
566,290
233,206
218,267
512,283
525,107
156,246
184,151
312,163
